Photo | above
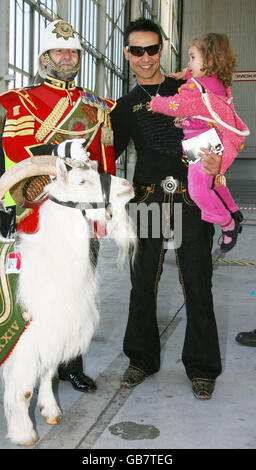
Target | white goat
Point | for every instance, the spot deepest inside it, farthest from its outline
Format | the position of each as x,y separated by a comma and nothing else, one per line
58,290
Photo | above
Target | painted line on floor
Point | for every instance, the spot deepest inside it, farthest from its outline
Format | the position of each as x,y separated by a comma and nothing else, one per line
89,416
240,263
121,396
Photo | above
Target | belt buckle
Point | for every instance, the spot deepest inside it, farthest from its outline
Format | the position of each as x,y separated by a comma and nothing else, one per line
169,185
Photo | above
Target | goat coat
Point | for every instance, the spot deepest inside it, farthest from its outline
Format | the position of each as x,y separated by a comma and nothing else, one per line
13,319
189,103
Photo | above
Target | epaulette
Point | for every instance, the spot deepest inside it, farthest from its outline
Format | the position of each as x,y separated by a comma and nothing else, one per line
22,92
19,90
91,98
111,103
85,90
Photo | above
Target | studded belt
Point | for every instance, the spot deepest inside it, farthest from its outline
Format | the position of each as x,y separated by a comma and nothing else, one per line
170,185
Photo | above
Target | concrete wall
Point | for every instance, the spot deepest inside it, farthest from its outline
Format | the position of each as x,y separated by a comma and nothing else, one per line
236,18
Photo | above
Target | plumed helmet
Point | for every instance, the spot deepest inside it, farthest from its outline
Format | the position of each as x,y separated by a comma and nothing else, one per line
58,35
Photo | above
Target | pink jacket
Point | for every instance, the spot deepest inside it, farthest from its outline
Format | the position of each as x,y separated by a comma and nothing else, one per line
188,102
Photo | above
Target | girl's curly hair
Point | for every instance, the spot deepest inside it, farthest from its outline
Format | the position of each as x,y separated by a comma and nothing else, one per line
218,56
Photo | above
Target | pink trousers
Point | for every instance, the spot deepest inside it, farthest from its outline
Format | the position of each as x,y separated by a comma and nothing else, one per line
216,203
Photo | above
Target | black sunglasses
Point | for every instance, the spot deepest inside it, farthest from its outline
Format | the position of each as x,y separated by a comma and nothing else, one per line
139,51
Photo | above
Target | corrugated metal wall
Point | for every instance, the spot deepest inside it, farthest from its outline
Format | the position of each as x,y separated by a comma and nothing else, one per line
237,19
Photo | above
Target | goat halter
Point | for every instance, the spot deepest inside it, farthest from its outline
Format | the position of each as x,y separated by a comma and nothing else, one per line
105,180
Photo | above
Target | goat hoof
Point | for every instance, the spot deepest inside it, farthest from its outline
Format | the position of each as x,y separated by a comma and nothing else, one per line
30,443
26,441
53,420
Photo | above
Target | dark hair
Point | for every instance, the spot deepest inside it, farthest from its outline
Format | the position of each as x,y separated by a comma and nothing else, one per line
142,24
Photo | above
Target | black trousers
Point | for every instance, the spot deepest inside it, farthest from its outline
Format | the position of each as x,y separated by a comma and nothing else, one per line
201,355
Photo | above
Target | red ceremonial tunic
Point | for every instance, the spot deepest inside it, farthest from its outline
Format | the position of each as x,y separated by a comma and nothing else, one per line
42,116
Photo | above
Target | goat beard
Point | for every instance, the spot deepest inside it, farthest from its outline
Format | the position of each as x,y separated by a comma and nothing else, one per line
59,72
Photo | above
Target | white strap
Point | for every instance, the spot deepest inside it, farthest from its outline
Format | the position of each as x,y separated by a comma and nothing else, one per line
215,116
205,118
199,86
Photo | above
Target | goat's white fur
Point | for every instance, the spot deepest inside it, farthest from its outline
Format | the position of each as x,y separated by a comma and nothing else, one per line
58,289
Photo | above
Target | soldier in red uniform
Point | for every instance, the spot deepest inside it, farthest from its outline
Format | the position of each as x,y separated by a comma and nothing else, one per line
56,117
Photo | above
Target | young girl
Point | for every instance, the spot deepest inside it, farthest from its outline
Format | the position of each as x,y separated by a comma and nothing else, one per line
205,102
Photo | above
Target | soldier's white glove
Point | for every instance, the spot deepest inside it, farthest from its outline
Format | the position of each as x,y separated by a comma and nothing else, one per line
72,151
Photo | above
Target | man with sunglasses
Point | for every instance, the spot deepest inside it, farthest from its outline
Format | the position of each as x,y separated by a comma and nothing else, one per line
161,177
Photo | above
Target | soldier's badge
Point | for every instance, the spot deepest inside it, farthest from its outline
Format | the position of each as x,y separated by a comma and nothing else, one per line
63,30
78,124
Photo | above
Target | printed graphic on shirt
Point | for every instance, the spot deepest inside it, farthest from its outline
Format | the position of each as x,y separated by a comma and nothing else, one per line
167,131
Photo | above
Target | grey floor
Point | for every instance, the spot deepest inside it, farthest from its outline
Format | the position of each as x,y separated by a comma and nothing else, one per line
162,413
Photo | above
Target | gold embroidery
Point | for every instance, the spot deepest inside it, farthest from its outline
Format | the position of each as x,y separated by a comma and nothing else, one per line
137,107
59,130
53,118
25,125
24,215
20,120
59,84
19,133
30,147
22,93
19,127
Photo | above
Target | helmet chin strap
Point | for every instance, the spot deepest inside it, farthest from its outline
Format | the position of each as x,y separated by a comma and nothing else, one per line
60,72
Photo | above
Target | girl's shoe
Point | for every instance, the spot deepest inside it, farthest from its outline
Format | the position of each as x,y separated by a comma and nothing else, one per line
237,216
233,234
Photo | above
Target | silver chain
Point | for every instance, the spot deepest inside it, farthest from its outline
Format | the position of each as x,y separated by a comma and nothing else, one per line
158,88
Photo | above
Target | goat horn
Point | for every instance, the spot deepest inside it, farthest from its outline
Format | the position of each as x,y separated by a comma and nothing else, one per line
6,240
34,166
